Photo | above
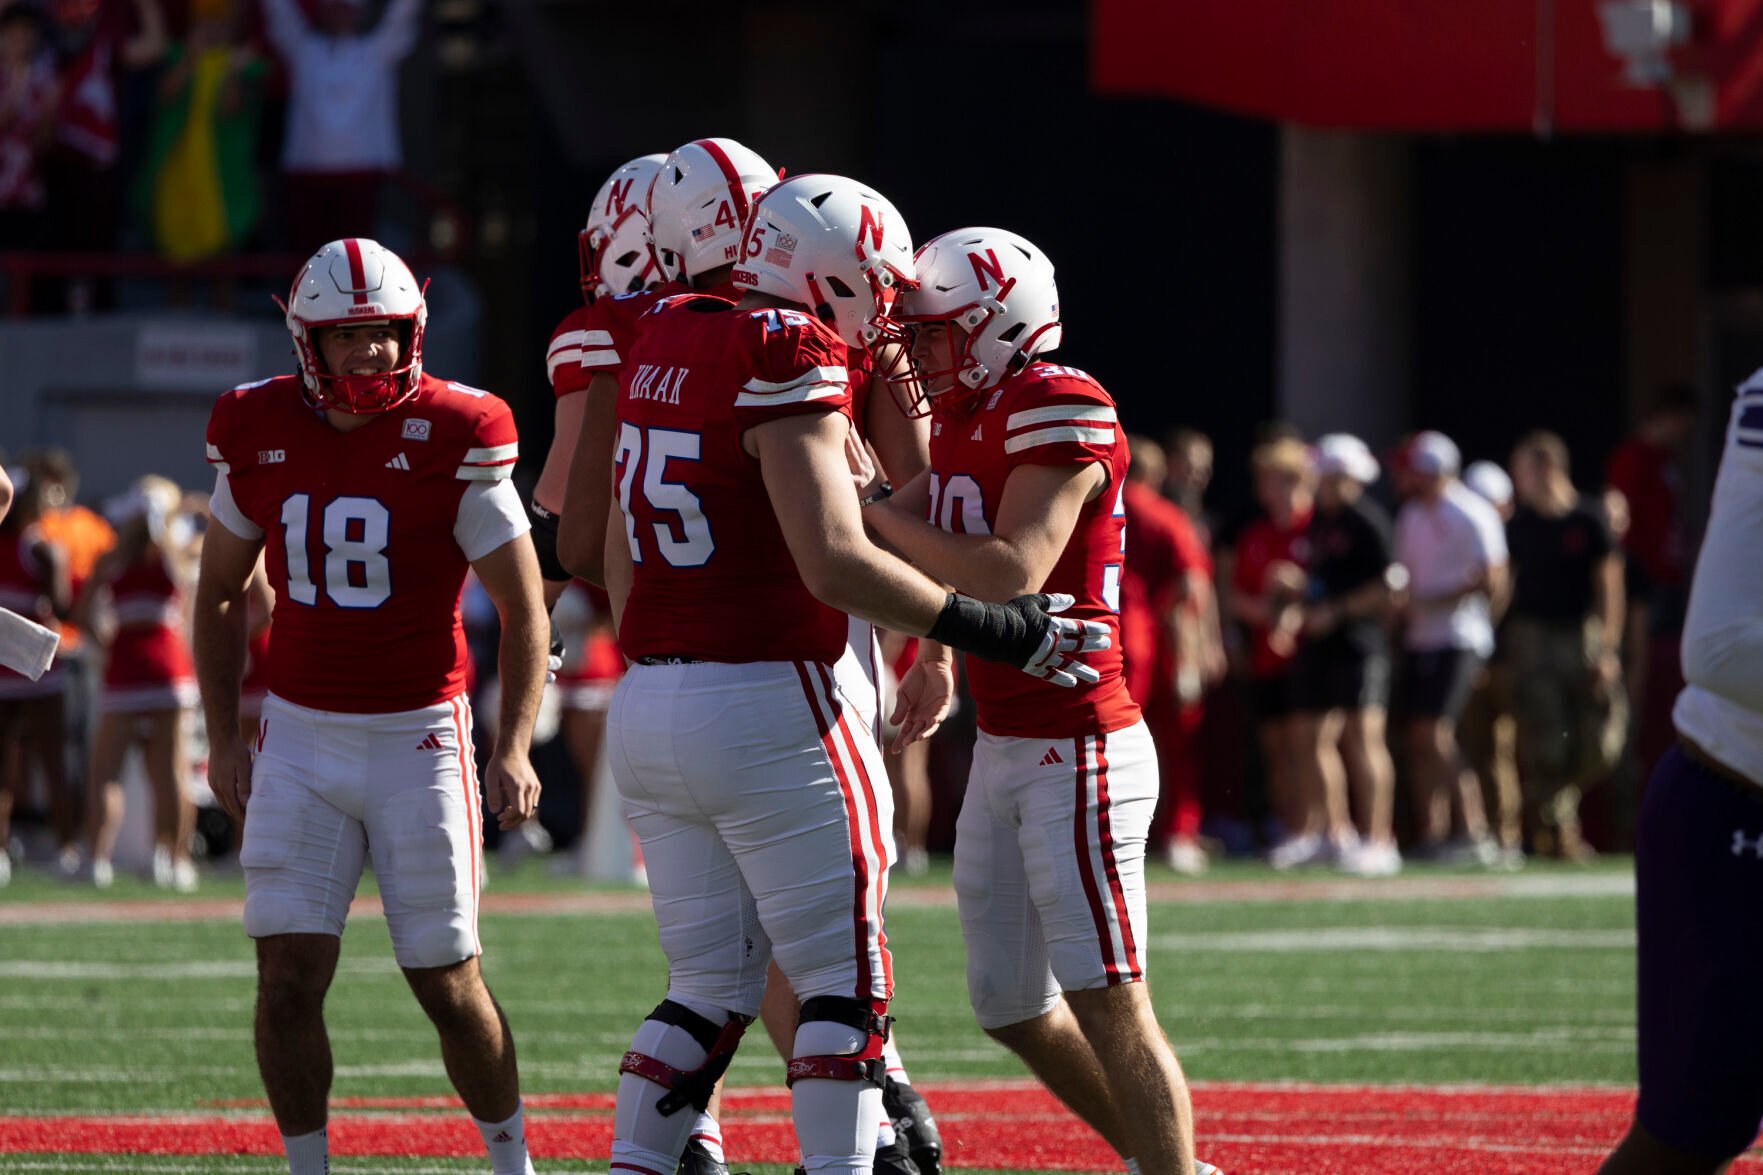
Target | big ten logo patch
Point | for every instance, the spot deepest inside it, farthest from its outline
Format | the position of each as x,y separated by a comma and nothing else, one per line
416,429
271,456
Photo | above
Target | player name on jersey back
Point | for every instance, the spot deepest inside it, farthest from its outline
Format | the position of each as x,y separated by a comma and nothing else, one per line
359,536
713,578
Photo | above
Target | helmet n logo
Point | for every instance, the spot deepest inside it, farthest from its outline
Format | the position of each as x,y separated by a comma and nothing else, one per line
617,194
870,225
987,266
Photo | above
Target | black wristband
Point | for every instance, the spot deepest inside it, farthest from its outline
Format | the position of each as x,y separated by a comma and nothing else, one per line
991,632
883,492
545,542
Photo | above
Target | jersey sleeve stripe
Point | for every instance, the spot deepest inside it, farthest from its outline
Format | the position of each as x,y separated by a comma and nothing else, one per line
605,357
1054,436
494,455
820,391
215,459
557,359
484,472
1096,412
582,338
814,376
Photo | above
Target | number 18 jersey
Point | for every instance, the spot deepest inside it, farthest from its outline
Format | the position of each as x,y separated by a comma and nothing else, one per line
367,535
712,577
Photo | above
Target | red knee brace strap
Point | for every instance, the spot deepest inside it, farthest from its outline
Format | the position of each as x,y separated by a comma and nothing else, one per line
688,1087
864,1065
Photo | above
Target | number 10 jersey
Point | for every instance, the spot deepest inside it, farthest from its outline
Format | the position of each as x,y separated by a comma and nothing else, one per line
367,534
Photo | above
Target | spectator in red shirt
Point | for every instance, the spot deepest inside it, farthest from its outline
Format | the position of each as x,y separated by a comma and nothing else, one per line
1266,590
1171,650
1645,469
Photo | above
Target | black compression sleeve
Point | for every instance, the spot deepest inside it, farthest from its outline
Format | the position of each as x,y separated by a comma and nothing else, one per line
545,542
1011,633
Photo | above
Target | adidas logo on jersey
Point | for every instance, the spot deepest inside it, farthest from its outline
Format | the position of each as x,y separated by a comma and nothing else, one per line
1051,758
398,462
977,431
430,743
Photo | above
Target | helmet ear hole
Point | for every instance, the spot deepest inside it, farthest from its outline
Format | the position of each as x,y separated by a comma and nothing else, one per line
1010,335
838,287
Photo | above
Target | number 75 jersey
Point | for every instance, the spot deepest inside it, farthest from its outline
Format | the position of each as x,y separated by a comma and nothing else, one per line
1057,416
367,534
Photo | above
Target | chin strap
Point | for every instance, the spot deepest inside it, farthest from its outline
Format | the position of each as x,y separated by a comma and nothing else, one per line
688,1087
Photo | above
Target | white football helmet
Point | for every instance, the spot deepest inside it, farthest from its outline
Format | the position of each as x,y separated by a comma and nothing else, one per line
614,246
356,280
699,204
999,289
835,246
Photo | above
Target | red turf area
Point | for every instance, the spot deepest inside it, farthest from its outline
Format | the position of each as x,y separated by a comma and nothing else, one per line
1004,1126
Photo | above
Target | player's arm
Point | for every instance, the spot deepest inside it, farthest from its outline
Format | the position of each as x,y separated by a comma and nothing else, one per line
807,478
219,636
901,442
5,493
1035,519
619,570
549,491
510,575
587,495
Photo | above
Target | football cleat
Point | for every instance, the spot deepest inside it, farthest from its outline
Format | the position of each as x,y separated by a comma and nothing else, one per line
892,1159
697,1160
914,1125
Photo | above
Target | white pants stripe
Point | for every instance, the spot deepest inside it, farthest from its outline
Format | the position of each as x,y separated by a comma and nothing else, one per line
869,852
474,809
1098,864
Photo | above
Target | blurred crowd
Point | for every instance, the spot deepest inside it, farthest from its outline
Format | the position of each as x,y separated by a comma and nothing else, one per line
1389,659
154,125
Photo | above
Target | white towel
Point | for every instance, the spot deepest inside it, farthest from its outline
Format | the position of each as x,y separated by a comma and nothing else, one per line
26,646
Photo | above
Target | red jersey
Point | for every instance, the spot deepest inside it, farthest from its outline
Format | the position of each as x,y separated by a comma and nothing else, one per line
22,590
1043,415
597,338
1260,545
359,529
1162,548
1648,477
705,545
150,646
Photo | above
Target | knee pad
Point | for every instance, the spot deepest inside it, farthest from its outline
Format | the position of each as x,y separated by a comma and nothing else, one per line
688,1088
841,1039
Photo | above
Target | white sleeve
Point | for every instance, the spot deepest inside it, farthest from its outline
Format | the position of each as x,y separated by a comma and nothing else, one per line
490,514
1723,631
226,511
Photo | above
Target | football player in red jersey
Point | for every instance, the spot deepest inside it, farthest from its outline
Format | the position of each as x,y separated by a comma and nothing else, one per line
1025,494
616,260
695,205
370,486
753,790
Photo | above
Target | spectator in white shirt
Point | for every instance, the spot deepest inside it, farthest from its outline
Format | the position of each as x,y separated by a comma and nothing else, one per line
1453,546
342,133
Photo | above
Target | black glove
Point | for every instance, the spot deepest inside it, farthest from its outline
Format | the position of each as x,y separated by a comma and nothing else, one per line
1023,633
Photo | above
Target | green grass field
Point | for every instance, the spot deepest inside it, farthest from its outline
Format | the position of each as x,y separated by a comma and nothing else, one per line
1255,980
